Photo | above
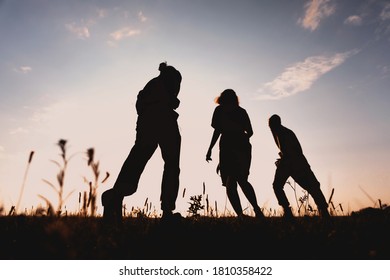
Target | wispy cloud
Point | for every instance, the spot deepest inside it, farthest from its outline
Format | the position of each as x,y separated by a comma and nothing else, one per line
315,12
383,28
47,113
101,13
300,76
385,13
81,31
19,130
124,33
142,17
23,69
354,20
384,71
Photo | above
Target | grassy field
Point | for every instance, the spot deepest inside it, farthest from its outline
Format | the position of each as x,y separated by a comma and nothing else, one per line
43,235
358,236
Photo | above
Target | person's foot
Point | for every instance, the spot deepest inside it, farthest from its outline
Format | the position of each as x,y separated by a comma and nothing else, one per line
259,214
288,215
325,217
243,216
169,216
112,207
324,213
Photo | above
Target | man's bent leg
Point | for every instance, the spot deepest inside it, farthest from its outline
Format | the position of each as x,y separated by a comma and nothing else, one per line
130,173
308,181
127,181
281,176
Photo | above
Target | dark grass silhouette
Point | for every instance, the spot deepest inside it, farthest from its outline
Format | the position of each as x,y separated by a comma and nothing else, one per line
24,180
362,235
43,235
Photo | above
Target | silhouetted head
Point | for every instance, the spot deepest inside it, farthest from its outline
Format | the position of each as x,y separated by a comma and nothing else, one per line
171,77
274,122
169,72
162,66
227,97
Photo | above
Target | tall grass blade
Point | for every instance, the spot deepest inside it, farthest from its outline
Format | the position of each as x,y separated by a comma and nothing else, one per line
24,180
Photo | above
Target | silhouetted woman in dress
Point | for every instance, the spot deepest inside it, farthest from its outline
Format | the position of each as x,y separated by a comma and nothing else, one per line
232,123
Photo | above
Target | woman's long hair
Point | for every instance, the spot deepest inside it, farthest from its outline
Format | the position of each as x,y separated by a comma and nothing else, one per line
227,97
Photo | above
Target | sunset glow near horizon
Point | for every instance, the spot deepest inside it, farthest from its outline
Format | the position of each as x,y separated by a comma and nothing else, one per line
72,70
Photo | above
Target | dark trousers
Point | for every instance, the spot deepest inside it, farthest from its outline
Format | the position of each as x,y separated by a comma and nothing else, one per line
163,132
301,172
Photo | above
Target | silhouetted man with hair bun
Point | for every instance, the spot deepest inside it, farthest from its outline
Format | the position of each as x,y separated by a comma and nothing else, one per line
293,163
156,126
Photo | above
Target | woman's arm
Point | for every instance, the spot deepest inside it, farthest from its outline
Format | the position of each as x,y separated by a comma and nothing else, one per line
248,125
214,139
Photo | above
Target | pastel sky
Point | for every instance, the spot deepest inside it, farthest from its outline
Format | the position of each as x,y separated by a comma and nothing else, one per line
72,70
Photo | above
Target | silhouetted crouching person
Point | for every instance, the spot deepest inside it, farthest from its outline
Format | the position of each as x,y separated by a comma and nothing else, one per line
156,126
293,163
232,123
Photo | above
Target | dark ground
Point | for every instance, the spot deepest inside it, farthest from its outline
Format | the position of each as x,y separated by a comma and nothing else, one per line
362,236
